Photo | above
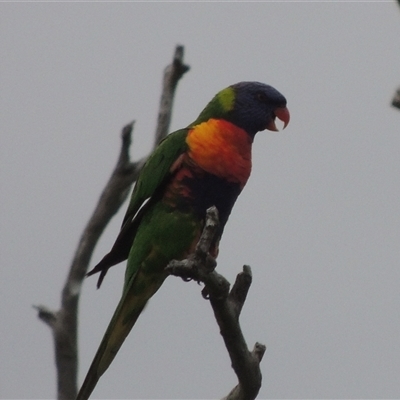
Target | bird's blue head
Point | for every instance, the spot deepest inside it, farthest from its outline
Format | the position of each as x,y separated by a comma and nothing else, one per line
252,106
255,106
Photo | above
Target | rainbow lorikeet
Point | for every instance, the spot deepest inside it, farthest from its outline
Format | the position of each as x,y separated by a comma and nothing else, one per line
207,163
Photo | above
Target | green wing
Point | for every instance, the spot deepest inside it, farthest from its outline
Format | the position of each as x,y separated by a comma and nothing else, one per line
154,172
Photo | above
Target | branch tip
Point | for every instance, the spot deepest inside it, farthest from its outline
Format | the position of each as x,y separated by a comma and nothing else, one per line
49,317
178,63
258,351
127,131
396,99
212,216
247,270
240,289
123,162
179,52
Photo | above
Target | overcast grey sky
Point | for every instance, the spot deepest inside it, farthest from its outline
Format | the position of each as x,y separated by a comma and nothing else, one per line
319,220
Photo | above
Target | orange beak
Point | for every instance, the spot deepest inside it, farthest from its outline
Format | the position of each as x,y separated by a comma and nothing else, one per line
281,113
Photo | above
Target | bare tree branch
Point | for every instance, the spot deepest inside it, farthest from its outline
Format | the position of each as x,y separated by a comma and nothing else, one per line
172,74
64,323
396,98
227,305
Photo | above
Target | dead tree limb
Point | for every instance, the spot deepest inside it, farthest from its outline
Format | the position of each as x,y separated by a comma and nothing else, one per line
227,305
396,99
64,322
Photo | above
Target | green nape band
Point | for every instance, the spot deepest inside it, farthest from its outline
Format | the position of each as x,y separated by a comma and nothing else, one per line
226,98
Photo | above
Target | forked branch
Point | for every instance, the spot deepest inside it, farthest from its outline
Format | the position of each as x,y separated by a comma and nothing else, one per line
64,323
227,305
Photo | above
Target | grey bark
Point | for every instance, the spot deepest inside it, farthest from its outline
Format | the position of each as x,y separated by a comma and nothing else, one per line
227,306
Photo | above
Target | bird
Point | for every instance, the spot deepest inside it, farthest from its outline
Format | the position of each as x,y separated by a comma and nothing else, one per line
205,164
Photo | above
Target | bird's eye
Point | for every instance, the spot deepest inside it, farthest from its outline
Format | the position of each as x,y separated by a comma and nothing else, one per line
261,97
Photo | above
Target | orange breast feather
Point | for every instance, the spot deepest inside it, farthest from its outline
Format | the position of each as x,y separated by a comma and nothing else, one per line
221,148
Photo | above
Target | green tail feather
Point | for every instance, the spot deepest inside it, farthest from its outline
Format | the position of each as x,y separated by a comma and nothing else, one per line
128,310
